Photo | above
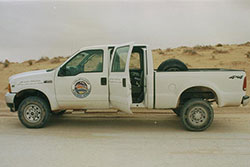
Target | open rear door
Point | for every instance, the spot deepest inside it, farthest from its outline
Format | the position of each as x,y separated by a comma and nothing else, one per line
119,80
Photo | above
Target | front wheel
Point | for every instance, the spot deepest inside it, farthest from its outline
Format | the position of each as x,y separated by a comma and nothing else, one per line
34,112
197,115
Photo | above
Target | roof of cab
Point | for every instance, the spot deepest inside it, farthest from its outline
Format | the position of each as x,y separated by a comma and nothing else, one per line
110,45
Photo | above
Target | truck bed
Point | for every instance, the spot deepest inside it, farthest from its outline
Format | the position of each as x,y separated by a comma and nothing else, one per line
226,83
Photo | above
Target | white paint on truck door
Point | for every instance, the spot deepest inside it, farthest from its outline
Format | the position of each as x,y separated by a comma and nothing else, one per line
81,83
119,80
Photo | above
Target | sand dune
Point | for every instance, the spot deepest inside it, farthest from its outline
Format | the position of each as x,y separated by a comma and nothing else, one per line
219,56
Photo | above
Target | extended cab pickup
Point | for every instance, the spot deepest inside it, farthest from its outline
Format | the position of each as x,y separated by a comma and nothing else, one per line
123,77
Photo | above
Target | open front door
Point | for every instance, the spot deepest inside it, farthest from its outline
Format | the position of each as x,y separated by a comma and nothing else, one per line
119,80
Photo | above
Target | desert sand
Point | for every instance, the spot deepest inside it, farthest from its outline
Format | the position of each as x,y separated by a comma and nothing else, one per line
236,56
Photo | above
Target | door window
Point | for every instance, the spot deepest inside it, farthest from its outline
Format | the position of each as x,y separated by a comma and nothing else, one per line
120,59
83,62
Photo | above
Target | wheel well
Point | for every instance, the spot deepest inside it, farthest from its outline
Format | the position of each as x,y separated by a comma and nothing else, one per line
198,92
20,96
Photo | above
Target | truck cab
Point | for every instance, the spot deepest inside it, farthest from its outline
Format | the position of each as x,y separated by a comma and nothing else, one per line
99,80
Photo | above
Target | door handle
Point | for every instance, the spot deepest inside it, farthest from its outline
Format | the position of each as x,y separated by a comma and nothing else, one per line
124,82
104,81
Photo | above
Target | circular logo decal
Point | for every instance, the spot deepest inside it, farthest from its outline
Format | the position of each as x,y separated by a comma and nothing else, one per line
81,88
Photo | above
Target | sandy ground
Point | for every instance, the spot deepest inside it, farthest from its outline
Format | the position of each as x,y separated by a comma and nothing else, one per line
151,140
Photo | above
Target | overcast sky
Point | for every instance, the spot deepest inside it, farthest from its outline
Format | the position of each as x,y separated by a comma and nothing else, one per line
30,30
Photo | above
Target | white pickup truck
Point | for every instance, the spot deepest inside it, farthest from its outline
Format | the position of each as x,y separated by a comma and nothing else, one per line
122,77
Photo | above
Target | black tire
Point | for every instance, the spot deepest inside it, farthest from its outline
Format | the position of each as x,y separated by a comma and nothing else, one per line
197,115
58,113
172,65
34,112
177,111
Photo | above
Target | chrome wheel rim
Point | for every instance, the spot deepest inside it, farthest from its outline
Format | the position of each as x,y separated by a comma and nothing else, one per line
197,116
32,113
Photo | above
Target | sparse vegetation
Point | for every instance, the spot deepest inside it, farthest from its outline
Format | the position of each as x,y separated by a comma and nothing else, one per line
30,62
248,54
6,63
190,52
42,59
245,44
55,60
159,51
202,48
219,45
169,50
220,51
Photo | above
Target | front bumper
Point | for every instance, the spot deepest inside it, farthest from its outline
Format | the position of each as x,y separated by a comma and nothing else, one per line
245,100
9,98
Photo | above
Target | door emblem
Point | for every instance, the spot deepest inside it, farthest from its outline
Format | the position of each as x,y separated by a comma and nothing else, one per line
81,88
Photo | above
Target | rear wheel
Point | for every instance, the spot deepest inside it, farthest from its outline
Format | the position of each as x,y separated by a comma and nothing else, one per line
197,115
34,112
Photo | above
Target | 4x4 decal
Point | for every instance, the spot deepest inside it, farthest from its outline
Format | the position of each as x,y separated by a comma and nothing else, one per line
236,77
